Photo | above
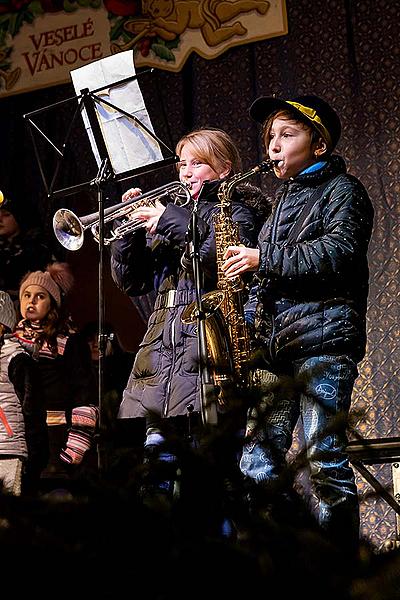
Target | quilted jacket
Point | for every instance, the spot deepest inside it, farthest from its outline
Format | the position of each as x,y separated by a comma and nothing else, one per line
312,290
165,377
12,425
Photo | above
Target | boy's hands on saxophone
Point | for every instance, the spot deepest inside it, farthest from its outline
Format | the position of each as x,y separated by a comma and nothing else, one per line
239,259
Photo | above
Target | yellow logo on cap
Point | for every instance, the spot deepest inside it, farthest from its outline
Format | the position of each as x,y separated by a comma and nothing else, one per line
1,197
311,114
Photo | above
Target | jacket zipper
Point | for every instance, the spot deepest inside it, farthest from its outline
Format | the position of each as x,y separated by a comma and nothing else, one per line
271,348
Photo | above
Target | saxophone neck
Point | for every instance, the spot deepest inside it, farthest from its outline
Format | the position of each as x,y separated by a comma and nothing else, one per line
228,185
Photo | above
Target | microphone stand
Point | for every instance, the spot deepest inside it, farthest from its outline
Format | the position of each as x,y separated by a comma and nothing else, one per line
208,390
103,175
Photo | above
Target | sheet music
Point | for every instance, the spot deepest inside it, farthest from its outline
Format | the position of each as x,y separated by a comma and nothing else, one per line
129,145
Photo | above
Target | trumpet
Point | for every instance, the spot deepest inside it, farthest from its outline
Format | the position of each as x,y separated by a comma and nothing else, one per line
69,229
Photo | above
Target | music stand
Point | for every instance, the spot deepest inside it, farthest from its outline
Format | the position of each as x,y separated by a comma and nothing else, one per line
88,100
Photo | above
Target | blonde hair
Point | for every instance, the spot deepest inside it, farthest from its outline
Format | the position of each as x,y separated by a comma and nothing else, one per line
213,147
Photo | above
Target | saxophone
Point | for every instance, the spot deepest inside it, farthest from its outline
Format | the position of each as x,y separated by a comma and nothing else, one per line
228,341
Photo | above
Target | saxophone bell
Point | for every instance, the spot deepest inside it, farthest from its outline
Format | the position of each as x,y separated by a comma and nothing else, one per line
218,341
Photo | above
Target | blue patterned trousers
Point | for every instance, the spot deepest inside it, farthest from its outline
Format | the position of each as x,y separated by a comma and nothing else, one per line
321,397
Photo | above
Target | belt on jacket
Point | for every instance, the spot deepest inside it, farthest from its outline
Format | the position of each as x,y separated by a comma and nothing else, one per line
173,298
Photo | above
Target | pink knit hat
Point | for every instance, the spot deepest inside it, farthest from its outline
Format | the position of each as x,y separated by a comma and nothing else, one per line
57,280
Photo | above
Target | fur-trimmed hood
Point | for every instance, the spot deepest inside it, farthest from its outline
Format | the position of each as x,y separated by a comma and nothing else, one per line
254,197
250,195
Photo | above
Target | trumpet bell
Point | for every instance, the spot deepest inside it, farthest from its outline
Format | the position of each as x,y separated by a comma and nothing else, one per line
68,229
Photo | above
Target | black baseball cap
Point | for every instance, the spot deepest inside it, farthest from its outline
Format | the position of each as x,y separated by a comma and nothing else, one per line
310,108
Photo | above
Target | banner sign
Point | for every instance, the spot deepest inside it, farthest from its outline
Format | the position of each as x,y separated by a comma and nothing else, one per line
41,41
41,49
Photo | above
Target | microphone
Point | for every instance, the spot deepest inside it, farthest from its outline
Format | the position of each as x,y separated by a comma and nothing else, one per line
190,241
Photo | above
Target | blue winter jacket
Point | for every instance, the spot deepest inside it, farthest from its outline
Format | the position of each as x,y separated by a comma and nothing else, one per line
310,294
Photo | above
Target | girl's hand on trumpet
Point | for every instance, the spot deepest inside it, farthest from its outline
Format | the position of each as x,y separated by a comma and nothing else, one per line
131,193
239,259
150,215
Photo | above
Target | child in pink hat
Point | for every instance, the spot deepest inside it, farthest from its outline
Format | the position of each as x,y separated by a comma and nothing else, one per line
63,363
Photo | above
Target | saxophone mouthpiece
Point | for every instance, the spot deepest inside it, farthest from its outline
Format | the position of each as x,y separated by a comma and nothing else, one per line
266,166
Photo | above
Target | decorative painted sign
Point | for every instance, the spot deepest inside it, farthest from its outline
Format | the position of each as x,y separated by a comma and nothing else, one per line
41,41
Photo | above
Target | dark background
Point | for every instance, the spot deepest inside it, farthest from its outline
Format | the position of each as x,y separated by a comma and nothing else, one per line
345,51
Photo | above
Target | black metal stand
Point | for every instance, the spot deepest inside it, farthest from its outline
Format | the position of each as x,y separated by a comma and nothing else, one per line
88,100
378,451
208,390
103,176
